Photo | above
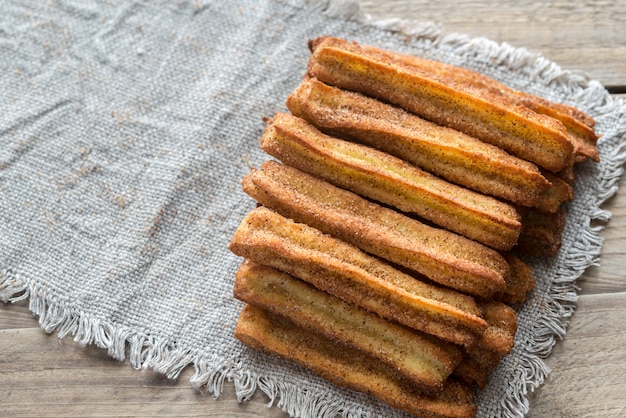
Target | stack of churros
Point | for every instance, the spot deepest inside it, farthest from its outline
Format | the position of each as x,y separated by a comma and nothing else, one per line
386,250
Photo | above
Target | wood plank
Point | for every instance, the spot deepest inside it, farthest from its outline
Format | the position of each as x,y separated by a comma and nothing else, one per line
589,365
608,277
588,36
16,316
45,376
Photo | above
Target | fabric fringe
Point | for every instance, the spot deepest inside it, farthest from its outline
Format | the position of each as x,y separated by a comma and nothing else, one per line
211,373
142,351
294,400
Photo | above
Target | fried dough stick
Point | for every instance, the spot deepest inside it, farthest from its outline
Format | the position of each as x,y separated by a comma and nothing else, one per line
423,359
442,256
276,335
490,118
389,180
445,152
558,193
581,134
502,320
344,271
520,282
542,232
579,125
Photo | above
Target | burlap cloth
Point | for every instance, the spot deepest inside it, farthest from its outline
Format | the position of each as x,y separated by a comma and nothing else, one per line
125,130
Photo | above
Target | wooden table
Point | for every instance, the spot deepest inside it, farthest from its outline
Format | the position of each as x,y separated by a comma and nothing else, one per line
41,375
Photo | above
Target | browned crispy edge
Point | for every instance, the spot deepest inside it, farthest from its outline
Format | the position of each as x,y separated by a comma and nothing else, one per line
502,320
581,134
542,232
475,367
272,334
520,282
558,193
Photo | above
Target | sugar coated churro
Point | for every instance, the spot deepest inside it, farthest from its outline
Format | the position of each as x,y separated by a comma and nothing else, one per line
390,180
442,256
446,152
579,125
273,334
346,272
423,359
387,249
372,71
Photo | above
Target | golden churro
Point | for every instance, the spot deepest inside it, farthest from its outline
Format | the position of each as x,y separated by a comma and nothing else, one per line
490,118
423,359
446,152
392,181
553,198
346,272
475,367
273,334
579,126
442,256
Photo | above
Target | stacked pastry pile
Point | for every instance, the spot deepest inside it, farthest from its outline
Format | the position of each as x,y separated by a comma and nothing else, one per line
381,254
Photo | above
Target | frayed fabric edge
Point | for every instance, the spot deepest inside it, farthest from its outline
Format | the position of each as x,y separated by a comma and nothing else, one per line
212,373
148,352
143,351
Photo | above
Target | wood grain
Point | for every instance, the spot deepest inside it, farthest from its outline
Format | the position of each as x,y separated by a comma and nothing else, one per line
587,36
41,375
589,365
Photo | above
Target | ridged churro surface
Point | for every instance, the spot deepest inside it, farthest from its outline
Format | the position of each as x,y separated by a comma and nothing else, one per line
346,272
579,126
423,359
392,181
502,320
275,335
442,256
372,71
443,151
519,283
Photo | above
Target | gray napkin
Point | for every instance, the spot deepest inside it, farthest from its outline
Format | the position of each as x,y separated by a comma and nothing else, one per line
125,130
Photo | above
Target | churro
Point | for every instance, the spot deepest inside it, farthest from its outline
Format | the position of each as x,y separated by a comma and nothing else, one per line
343,270
553,198
442,256
502,320
542,232
445,152
476,365
273,334
488,117
421,358
579,125
519,283
390,180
